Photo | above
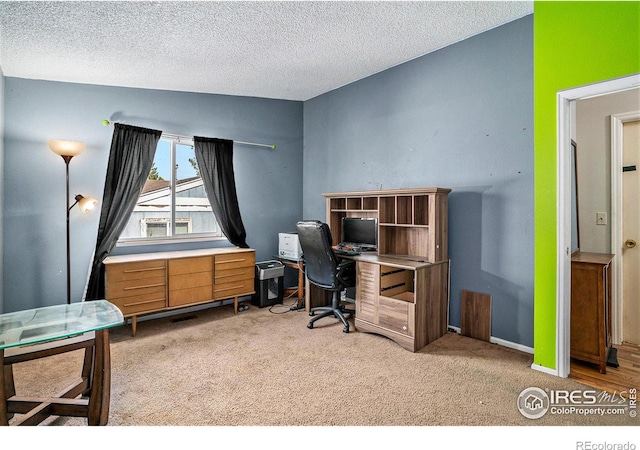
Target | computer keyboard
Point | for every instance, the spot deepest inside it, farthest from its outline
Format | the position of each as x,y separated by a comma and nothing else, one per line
348,249
345,252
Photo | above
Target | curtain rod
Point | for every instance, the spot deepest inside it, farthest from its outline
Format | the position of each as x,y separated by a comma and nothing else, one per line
107,122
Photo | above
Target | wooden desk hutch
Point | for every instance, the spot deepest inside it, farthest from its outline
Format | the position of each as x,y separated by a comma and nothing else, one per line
402,292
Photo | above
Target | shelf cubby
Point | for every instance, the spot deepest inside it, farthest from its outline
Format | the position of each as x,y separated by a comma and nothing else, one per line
396,283
387,212
354,203
403,240
338,203
421,210
370,203
335,225
404,207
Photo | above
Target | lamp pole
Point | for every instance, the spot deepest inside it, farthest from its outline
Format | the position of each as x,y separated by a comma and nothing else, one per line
67,159
68,149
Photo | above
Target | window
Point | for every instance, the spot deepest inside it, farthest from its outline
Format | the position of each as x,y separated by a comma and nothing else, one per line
157,227
173,204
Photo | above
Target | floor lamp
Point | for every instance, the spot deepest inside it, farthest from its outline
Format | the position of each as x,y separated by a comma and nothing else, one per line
69,149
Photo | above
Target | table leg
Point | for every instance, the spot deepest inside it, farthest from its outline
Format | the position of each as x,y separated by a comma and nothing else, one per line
100,380
4,420
87,366
134,325
300,287
7,389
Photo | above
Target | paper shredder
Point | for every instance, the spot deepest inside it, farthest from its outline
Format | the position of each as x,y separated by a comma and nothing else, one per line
269,283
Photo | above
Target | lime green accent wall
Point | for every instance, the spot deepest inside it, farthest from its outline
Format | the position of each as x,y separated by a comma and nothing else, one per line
575,44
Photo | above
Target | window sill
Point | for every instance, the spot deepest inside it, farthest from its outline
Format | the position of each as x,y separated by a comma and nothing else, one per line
168,241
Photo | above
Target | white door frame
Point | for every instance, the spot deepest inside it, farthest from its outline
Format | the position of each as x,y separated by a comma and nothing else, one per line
617,122
563,231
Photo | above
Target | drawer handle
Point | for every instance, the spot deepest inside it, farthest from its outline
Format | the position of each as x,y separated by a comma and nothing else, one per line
230,261
133,288
229,275
230,288
143,270
143,303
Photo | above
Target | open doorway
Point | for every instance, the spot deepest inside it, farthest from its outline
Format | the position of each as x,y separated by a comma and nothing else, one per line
607,180
625,186
565,101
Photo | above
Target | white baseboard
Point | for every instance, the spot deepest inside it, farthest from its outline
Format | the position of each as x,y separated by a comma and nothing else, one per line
499,341
544,369
513,345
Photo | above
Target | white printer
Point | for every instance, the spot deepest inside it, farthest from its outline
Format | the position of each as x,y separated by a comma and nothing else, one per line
289,246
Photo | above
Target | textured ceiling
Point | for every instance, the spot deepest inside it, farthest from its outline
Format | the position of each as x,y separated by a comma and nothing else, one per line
287,50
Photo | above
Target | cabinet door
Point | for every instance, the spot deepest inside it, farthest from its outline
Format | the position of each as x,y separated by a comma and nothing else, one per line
394,315
367,282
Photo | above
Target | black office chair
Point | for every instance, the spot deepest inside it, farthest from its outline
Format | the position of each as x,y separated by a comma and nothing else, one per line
325,269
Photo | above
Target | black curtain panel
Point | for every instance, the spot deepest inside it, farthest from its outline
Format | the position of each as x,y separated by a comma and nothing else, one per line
130,161
215,160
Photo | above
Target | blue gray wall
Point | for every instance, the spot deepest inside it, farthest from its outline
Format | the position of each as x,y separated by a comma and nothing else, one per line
269,182
461,118
1,184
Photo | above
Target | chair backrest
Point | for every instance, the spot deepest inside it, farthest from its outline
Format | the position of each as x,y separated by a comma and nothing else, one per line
320,261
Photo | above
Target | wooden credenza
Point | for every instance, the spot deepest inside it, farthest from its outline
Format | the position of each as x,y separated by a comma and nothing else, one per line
154,282
402,292
591,308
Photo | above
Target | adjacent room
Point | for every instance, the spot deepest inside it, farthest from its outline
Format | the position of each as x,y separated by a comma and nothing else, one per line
215,153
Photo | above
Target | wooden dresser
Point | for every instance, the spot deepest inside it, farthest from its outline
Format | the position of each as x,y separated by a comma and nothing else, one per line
148,283
591,308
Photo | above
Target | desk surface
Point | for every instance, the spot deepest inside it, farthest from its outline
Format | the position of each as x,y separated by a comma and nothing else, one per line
401,261
56,322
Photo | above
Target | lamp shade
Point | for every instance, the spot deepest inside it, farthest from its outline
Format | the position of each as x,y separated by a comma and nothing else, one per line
66,148
86,204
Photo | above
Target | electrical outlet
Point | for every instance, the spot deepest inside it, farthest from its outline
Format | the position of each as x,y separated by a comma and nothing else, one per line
601,218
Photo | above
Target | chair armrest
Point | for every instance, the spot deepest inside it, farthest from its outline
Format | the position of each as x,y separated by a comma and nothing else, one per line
346,272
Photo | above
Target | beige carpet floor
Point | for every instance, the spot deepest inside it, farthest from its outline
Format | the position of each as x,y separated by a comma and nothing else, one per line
264,367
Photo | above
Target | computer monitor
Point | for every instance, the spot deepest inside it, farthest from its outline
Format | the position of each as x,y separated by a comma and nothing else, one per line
362,231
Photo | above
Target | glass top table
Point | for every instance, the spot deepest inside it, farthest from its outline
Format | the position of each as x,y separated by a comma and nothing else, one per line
52,330
56,322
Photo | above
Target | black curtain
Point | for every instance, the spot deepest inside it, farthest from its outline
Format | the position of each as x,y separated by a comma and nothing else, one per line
215,160
130,161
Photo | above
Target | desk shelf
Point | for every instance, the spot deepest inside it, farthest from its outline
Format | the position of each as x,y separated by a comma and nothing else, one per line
403,296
